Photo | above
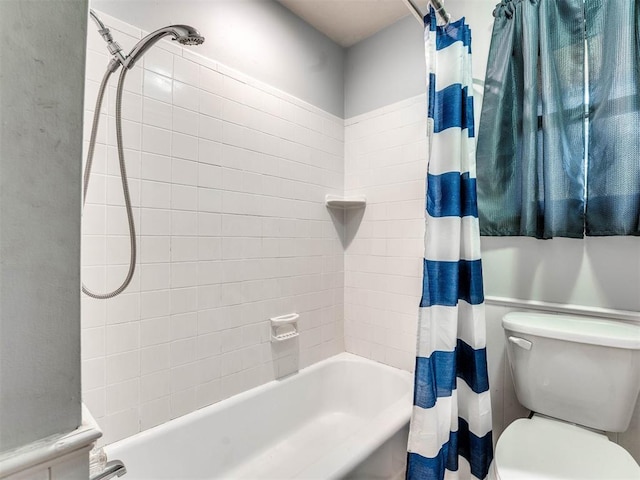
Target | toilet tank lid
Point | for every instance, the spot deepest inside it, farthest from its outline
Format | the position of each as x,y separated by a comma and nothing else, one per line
571,328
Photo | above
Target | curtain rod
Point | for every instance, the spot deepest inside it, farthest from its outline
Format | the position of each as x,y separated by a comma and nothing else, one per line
437,5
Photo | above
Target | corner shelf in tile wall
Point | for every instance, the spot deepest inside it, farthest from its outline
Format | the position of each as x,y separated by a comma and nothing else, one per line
345,203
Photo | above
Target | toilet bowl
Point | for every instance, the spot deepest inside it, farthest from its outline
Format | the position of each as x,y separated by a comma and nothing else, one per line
581,377
540,448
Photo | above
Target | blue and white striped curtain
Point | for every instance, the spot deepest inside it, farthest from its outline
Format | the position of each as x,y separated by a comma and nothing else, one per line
450,434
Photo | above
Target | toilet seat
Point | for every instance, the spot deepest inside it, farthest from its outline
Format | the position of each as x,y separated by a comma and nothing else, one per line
543,449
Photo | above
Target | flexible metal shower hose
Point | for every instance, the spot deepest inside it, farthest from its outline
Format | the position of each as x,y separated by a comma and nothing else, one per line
123,177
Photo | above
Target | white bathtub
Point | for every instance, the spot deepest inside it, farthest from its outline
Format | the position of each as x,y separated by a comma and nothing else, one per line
345,417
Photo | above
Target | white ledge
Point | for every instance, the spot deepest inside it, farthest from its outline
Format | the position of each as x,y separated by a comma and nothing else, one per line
51,447
355,201
600,312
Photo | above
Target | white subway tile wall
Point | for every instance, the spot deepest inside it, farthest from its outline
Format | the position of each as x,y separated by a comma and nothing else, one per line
385,159
227,179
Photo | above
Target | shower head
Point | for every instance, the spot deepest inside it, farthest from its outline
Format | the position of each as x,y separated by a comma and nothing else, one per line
186,35
183,34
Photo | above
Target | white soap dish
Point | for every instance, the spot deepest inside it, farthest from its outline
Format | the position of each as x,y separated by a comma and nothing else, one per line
284,327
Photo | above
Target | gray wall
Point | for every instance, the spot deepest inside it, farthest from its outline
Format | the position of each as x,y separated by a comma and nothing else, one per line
390,66
385,68
260,38
42,57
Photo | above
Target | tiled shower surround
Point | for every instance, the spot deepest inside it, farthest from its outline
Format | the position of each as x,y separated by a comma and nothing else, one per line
385,159
228,178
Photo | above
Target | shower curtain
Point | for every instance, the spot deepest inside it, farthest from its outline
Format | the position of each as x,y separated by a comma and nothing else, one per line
450,433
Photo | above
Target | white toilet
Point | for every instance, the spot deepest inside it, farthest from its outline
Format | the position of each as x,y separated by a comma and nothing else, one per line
581,378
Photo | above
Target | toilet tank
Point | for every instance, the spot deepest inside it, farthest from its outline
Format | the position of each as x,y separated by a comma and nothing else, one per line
579,369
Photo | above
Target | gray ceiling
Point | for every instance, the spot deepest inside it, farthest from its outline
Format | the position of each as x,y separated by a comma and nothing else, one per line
347,22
